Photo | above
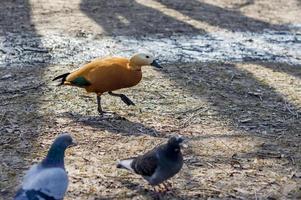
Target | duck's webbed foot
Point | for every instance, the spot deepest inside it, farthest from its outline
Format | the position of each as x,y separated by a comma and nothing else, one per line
124,98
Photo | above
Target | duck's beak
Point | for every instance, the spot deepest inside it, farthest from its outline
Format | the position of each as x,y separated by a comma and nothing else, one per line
155,64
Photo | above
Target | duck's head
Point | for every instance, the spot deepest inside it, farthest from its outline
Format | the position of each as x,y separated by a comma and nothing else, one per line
143,59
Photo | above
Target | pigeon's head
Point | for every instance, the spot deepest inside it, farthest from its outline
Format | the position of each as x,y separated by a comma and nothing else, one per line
63,141
143,59
55,156
175,143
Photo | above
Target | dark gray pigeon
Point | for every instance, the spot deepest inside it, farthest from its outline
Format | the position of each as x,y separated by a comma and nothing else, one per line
48,179
159,164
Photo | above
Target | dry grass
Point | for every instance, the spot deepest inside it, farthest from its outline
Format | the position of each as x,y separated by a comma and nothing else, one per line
241,120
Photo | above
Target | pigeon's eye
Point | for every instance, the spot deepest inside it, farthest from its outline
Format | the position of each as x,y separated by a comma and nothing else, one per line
147,56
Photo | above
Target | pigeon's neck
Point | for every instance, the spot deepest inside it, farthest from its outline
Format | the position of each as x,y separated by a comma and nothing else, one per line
170,153
54,158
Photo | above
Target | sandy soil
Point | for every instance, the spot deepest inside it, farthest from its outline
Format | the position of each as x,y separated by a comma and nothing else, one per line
241,119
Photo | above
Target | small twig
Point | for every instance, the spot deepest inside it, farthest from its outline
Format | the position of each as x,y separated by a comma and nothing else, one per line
232,77
187,121
233,163
292,159
269,155
226,145
3,116
275,110
190,110
23,89
279,137
11,97
35,50
288,108
3,51
247,3
267,185
208,163
211,189
9,103
256,94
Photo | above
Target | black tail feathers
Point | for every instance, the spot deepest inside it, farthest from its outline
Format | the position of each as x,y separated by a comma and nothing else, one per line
119,165
63,77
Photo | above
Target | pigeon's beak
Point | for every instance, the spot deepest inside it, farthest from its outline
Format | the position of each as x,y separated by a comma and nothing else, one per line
156,64
183,144
73,144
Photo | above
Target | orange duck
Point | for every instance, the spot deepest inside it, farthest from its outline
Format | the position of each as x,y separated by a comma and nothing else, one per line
109,74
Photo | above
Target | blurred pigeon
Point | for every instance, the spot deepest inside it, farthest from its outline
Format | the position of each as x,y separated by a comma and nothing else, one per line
48,179
159,164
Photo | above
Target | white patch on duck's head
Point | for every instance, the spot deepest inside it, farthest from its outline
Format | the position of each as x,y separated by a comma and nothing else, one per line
143,59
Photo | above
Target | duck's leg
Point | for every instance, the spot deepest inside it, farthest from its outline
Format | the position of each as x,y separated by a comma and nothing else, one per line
102,113
124,98
99,105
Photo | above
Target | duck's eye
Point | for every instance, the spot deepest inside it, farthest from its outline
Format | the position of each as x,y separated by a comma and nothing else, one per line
147,56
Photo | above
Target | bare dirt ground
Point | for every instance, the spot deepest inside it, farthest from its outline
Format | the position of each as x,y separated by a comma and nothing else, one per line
241,119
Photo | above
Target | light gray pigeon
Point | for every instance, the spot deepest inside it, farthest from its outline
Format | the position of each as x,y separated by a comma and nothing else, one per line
159,164
48,179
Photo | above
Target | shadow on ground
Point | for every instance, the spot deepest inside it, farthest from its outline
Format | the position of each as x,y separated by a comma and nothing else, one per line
293,70
20,123
249,104
132,18
115,124
148,191
238,98
236,94
232,20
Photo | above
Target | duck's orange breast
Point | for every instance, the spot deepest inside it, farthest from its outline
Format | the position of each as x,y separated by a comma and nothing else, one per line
107,74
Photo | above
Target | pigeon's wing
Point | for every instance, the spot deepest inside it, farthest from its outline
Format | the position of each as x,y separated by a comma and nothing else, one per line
21,195
146,164
32,172
32,195
50,182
